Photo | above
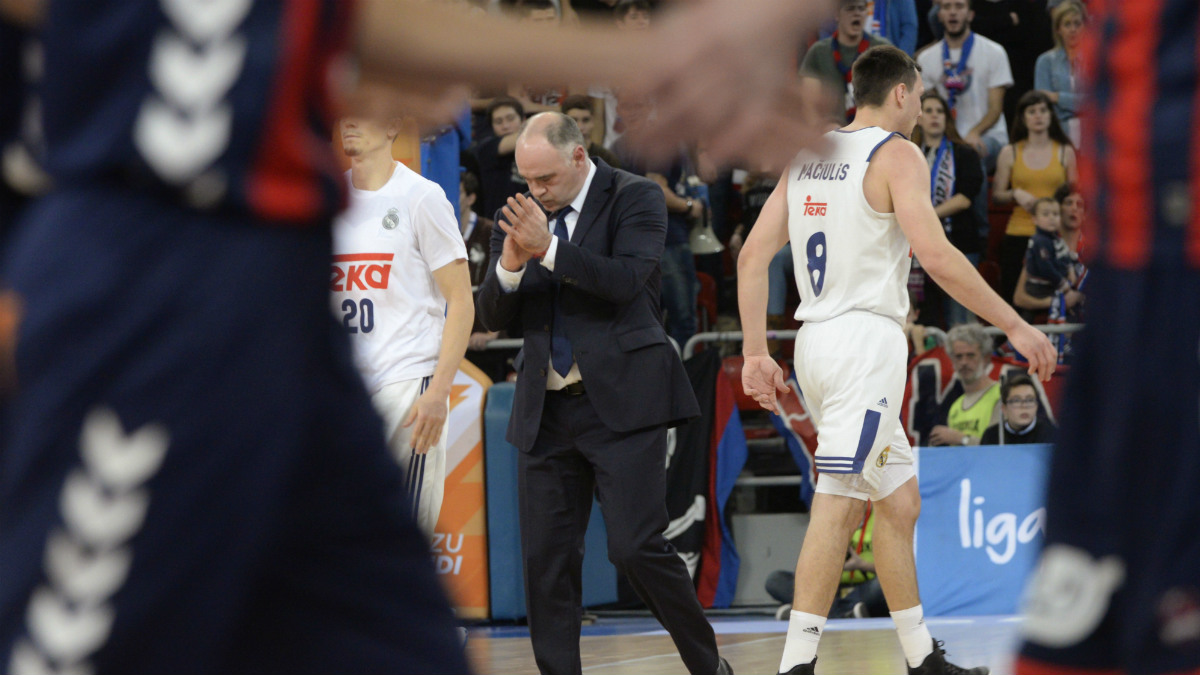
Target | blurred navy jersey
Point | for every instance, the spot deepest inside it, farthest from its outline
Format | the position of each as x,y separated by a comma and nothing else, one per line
223,104
192,476
1140,161
1117,589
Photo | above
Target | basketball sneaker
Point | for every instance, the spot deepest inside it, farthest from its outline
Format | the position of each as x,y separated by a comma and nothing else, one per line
936,664
803,669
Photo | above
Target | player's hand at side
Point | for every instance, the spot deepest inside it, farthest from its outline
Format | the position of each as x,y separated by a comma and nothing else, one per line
527,225
762,380
427,418
1036,347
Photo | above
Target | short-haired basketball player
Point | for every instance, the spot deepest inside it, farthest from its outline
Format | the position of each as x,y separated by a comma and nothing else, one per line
401,289
852,216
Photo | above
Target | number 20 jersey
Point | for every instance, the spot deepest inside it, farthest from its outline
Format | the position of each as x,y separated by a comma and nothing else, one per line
386,246
847,255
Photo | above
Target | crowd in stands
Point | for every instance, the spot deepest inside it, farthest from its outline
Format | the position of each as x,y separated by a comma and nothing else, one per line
999,127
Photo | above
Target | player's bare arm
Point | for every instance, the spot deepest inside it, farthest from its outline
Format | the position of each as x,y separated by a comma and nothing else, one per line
431,410
898,181
762,378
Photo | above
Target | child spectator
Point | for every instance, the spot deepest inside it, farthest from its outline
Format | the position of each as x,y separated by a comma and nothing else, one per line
1048,261
1019,409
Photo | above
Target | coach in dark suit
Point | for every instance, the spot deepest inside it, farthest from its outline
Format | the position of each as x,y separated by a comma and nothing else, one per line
598,384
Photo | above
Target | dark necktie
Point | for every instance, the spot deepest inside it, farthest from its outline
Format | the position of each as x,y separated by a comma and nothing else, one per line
560,346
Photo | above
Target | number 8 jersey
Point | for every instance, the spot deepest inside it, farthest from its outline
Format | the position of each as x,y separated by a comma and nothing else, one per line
386,246
847,255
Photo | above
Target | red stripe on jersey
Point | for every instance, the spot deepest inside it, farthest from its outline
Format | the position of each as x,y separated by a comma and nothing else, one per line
282,184
1193,236
360,257
1132,64
1089,61
1028,666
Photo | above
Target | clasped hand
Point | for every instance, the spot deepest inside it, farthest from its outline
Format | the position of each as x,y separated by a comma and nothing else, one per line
528,233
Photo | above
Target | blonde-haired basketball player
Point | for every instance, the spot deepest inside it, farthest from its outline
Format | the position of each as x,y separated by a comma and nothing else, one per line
402,291
852,215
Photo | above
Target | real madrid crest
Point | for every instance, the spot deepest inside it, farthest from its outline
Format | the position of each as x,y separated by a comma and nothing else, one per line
883,457
392,219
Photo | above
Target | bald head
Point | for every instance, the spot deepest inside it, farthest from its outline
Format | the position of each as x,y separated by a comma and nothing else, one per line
552,157
555,128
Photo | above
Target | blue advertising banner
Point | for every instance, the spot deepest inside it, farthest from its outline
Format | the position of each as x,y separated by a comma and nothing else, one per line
981,528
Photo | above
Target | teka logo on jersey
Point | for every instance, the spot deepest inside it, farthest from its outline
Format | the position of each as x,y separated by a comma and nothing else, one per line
812,208
361,271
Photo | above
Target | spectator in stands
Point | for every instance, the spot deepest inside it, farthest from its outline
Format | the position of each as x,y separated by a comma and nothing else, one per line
979,406
1070,231
831,59
972,73
579,108
1039,161
1022,29
631,15
538,99
1048,261
679,284
476,231
1021,422
1057,71
498,172
919,341
895,21
477,235
956,177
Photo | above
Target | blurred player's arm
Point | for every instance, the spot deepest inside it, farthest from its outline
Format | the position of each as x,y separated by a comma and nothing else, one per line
716,67
903,167
431,410
762,378
25,13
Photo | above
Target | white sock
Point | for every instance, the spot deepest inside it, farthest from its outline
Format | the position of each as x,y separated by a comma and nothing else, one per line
915,639
804,632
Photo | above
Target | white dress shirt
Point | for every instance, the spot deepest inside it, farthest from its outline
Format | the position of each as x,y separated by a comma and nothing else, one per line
510,281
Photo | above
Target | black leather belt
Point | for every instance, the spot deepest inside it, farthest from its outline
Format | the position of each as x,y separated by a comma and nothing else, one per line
573,389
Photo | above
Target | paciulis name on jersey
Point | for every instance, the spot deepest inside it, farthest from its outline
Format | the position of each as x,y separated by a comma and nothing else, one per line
361,271
823,171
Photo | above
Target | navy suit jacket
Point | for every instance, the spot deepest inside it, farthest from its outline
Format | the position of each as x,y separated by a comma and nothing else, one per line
610,283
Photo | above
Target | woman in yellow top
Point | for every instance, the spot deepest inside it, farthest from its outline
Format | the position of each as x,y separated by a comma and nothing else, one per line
1039,159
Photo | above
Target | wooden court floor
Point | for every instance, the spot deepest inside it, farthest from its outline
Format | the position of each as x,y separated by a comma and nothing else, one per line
752,646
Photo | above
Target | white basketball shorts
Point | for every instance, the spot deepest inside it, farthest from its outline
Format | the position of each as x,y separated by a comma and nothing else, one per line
426,474
851,370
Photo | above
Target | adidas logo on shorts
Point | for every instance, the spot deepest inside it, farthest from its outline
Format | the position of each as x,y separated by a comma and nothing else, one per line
882,403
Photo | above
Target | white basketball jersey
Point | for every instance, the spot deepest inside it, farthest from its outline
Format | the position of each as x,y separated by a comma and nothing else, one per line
847,255
386,245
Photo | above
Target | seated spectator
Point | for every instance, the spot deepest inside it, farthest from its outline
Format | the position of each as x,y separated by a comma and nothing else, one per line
860,595
919,341
830,60
1048,262
498,174
956,177
969,415
1021,422
579,108
971,73
1039,161
476,231
1057,71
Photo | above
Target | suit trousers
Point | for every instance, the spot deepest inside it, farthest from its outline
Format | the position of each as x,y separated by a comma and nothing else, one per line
574,455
